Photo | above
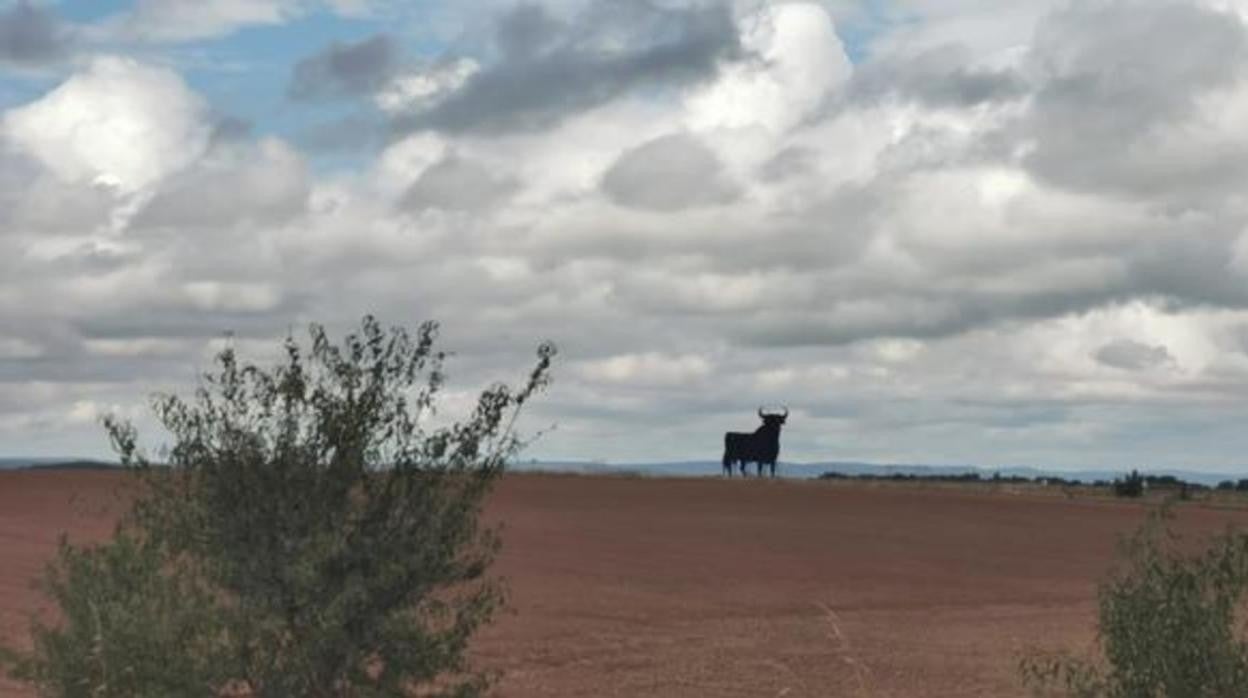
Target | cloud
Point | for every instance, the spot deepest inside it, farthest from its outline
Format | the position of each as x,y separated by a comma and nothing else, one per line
31,36
189,20
1131,355
794,61
420,89
550,67
178,21
647,369
1003,234
938,77
993,32
527,31
669,173
345,69
1122,107
34,200
352,8
267,183
457,184
117,122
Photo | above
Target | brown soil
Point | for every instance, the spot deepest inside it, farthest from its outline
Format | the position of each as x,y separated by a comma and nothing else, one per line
671,587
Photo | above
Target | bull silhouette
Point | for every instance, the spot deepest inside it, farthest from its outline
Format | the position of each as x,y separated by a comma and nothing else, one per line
761,447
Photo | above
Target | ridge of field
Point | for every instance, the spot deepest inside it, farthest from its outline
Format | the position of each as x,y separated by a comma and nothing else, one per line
627,586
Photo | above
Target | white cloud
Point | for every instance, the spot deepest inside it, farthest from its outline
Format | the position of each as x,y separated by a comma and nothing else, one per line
118,122
240,296
405,160
174,21
419,90
647,369
799,61
18,348
352,8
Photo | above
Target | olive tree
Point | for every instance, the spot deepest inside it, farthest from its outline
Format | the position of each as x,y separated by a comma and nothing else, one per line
306,532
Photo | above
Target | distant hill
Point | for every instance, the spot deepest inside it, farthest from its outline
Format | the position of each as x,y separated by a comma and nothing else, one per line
853,468
75,465
16,463
67,463
713,468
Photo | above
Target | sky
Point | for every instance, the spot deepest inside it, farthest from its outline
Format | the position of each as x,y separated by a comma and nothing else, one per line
938,231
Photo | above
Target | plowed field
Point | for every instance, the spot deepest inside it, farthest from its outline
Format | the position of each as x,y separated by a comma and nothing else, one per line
705,587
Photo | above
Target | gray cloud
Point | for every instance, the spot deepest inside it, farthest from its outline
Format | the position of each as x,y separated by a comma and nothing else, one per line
345,69
165,320
669,173
939,77
859,319
238,182
528,31
790,162
1188,267
457,184
34,200
1131,355
31,35
549,68
227,128
1119,80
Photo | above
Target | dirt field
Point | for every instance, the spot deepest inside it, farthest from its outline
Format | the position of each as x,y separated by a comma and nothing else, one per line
654,587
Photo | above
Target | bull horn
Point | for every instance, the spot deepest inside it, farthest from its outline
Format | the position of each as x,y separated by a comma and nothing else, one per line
786,411
760,413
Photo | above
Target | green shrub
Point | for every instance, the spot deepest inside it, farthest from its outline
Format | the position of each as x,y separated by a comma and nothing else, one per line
123,612
1168,625
310,535
1131,485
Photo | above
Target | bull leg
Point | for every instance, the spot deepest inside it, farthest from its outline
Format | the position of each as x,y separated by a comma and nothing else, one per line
772,465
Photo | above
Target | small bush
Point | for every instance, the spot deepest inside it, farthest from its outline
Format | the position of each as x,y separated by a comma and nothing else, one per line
1130,486
1168,625
132,626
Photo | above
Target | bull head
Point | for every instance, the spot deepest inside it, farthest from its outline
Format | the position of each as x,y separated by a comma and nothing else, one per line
763,415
